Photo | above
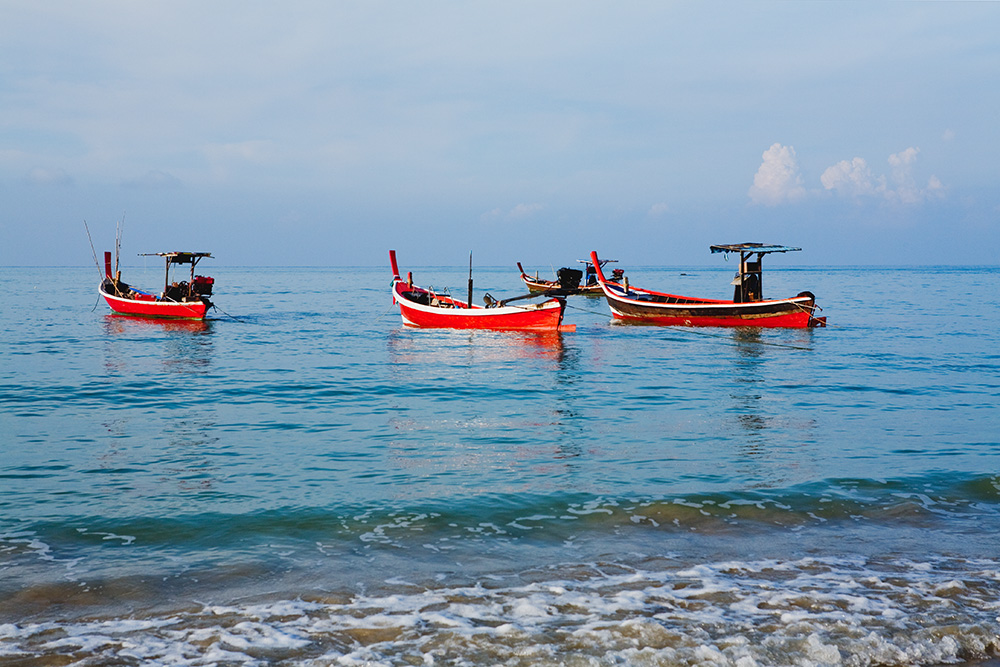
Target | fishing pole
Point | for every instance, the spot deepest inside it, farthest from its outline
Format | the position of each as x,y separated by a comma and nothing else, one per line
94,252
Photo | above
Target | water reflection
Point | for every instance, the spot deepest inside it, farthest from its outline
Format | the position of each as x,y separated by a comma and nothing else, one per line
770,437
181,346
511,432
448,346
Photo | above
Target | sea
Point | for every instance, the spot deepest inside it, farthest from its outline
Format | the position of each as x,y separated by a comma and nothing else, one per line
302,480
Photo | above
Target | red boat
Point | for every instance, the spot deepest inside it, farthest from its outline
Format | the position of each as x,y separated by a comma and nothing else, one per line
423,307
179,300
568,280
747,309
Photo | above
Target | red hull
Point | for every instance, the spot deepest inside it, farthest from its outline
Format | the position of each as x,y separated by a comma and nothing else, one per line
147,307
422,308
638,306
790,320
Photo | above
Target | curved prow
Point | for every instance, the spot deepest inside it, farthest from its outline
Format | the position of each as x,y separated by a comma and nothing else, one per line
395,267
521,269
597,267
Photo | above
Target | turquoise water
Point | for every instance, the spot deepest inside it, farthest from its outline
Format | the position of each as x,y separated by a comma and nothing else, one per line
302,481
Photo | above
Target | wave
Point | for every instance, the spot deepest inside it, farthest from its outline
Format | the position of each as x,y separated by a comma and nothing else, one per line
809,611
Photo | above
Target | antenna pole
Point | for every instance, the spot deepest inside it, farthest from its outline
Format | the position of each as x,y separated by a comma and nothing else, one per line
470,280
118,242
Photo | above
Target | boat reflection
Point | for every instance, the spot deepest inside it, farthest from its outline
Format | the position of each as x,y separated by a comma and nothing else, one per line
772,438
124,324
449,346
177,346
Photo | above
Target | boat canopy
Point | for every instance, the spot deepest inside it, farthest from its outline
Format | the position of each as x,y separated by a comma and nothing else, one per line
760,248
179,257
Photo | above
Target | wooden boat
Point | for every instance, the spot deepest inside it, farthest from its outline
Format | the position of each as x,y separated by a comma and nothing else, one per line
187,299
423,307
747,309
568,280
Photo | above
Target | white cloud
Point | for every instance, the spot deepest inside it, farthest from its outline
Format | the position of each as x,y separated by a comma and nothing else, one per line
778,179
906,190
525,210
254,152
949,135
855,179
519,212
153,179
40,176
491,216
656,210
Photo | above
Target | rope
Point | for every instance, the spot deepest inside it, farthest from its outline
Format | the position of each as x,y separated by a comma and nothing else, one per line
592,312
238,319
804,309
382,314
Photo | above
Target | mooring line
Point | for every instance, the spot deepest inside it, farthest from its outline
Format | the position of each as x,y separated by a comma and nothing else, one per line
382,314
592,312
238,319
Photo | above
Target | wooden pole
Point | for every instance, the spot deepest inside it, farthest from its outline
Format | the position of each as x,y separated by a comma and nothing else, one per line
470,280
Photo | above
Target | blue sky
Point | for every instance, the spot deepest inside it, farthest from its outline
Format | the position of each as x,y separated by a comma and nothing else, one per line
325,133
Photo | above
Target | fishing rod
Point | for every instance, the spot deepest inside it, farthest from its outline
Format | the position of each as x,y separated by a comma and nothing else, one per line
94,252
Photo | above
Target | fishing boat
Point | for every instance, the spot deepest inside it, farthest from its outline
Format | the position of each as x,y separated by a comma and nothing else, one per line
569,280
187,299
747,309
424,307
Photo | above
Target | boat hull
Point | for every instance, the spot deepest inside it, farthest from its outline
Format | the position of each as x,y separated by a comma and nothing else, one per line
790,313
637,306
539,286
148,307
453,314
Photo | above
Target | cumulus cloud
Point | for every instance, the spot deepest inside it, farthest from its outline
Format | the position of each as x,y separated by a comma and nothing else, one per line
53,177
656,210
855,179
852,178
778,179
153,179
519,212
524,210
254,152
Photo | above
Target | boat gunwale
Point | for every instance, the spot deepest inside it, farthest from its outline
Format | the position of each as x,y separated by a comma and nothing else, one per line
690,302
461,307
192,306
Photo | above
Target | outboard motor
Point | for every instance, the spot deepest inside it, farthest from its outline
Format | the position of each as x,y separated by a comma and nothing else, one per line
569,278
202,285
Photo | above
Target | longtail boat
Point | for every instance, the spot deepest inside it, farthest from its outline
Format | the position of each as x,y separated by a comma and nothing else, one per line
569,280
187,299
747,309
423,307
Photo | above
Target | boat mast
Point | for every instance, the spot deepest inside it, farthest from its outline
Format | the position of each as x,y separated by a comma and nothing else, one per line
751,283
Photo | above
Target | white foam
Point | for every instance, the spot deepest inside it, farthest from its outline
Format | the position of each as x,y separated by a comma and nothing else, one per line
813,611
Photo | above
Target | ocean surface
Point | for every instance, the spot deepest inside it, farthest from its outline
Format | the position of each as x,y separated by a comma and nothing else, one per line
300,480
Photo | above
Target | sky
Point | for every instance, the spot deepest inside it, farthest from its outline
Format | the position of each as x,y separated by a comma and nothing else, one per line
325,133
